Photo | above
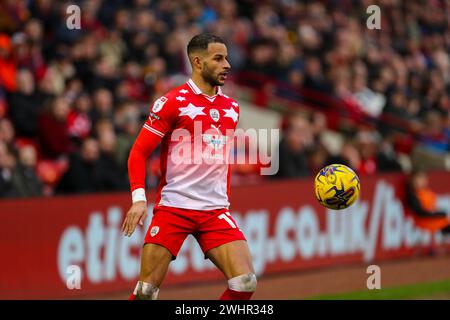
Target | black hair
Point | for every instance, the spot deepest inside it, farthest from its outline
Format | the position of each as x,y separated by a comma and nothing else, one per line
201,42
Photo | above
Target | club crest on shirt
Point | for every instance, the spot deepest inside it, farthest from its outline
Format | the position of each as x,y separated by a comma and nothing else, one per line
214,114
154,231
158,105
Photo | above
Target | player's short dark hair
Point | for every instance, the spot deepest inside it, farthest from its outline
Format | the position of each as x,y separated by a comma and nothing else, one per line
201,42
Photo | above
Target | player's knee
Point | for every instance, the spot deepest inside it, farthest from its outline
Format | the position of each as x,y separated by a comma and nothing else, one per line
243,283
146,291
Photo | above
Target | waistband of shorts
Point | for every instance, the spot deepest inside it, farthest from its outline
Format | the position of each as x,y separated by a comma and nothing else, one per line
158,208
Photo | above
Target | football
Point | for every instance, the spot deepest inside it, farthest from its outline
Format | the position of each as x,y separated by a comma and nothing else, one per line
337,186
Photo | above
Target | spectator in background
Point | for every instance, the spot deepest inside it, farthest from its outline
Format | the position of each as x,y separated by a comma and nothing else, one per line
83,54
24,106
435,88
155,73
104,75
34,32
371,103
79,122
46,90
21,49
289,61
113,175
7,133
314,77
387,158
61,69
17,176
128,123
263,57
422,201
294,147
348,156
133,81
433,136
103,105
415,124
376,153
443,105
73,89
317,158
7,166
113,48
53,129
325,142
395,113
174,53
367,145
25,180
84,172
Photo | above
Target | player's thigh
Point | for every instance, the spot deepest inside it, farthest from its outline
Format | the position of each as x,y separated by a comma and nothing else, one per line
155,260
164,238
232,258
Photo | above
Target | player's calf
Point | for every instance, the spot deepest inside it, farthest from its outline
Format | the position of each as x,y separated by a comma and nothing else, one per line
144,291
240,287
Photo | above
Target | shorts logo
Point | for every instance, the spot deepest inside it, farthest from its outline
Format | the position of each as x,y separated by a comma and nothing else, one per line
158,105
154,231
214,114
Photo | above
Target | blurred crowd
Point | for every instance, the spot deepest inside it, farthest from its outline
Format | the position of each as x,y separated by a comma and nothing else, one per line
73,100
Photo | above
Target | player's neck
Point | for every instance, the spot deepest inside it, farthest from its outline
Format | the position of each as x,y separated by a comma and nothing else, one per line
205,87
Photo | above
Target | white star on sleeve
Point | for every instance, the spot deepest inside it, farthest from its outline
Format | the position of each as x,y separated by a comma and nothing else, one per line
180,98
183,91
191,111
231,113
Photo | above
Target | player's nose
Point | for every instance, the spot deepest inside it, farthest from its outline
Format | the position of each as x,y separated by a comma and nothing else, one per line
227,66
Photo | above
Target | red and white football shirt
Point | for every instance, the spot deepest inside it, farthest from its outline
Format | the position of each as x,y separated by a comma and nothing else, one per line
197,131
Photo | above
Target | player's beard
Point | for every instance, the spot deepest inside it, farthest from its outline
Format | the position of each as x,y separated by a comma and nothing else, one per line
209,77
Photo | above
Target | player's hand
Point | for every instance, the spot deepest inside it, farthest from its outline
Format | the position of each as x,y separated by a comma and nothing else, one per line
136,214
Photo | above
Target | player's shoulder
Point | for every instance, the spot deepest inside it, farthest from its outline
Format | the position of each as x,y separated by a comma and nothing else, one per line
171,98
230,101
177,93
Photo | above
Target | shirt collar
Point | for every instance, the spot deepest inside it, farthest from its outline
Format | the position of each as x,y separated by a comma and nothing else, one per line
197,90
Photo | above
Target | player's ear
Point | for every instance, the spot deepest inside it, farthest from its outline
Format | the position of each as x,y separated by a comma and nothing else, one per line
196,61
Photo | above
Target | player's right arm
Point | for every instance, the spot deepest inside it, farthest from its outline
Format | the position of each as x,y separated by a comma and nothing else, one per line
162,115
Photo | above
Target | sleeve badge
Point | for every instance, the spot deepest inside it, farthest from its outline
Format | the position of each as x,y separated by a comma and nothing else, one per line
158,105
